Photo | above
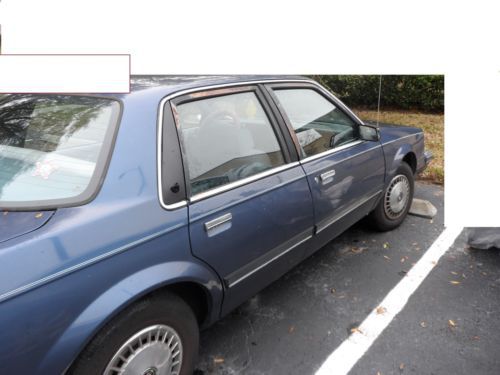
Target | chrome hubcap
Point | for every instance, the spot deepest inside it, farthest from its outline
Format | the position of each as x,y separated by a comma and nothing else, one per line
397,197
156,350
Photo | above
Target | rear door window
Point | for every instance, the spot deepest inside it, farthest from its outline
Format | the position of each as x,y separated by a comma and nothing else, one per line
226,139
53,148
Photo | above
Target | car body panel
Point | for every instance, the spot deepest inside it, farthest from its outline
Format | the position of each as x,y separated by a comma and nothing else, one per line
359,175
265,214
14,224
62,268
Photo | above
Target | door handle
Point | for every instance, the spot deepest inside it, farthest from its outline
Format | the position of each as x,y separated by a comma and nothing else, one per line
211,225
326,177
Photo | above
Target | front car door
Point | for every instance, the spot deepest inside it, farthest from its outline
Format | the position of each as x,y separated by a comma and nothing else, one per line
345,173
250,208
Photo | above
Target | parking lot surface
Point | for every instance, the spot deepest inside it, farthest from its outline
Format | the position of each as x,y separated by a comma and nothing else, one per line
449,325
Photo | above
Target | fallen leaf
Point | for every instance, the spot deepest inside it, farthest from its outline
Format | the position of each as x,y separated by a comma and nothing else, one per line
423,324
386,245
417,248
402,260
484,273
451,323
291,329
355,329
454,282
218,360
386,257
415,243
381,310
38,215
356,250
454,273
401,366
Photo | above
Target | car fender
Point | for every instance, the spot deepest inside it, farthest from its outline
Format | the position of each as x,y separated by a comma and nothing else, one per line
394,158
122,294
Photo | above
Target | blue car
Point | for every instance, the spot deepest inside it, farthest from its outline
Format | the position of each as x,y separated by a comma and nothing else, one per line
129,221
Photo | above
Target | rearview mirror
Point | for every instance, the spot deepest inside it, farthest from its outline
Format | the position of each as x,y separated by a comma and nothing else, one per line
369,133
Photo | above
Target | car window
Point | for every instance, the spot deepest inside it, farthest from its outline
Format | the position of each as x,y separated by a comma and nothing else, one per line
226,139
51,145
317,122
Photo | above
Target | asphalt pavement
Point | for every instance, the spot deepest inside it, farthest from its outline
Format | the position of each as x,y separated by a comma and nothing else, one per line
449,326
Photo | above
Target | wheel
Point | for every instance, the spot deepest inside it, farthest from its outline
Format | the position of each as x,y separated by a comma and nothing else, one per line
157,336
396,200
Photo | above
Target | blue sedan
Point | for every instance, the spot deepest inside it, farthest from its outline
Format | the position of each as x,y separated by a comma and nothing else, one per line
127,222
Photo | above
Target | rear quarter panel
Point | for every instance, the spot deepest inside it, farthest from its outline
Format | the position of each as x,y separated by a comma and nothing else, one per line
61,283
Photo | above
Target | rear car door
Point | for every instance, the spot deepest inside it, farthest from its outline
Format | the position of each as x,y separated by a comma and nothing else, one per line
250,208
345,173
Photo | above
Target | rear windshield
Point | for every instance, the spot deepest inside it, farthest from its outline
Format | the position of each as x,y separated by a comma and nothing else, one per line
53,148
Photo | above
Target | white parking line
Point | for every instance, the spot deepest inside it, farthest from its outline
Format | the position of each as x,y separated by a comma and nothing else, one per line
355,346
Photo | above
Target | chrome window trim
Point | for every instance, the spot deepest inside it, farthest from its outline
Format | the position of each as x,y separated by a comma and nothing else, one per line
159,135
243,181
332,151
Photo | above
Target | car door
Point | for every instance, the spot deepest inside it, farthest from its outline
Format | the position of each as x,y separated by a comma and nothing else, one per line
250,208
345,172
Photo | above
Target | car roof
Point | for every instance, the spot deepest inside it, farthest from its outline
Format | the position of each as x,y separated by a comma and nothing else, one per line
163,85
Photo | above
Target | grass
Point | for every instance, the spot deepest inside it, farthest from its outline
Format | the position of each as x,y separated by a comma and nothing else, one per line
433,127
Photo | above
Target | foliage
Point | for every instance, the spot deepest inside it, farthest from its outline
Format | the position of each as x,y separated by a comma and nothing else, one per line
414,92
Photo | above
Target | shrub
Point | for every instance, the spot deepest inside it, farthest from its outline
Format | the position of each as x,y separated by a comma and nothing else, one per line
409,92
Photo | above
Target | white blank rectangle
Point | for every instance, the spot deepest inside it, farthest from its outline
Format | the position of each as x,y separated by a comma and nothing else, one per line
64,73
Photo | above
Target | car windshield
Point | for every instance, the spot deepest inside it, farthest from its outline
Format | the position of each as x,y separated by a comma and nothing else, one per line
52,147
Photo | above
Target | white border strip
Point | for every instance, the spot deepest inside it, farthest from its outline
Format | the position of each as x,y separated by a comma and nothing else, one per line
355,346
64,74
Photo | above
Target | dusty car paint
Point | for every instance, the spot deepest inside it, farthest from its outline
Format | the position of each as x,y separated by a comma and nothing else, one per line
63,276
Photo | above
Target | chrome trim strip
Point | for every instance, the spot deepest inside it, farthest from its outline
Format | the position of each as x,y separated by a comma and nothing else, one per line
218,221
89,262
287,250
244,181
223,85
320,227
352,156
329,152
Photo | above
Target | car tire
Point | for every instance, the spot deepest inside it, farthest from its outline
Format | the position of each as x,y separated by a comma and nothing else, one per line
396,200
155,327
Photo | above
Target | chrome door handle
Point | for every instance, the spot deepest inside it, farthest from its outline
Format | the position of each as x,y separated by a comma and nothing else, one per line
212,224
326,177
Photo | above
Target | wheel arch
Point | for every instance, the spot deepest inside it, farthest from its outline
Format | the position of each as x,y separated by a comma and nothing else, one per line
403,153
188,280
